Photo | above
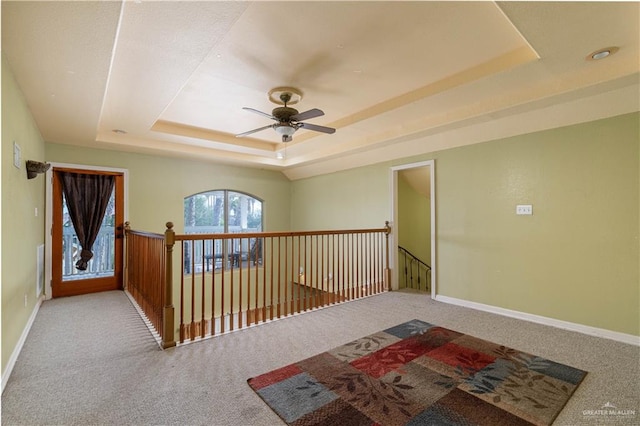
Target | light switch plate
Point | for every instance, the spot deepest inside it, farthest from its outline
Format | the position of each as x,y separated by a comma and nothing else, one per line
524,209
17,157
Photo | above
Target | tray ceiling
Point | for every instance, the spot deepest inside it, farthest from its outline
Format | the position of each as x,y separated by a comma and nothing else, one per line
394,78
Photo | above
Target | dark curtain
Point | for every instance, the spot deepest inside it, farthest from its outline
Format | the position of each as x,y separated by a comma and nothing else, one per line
87,198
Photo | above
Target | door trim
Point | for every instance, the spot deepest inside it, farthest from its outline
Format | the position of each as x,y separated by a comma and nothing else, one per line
393,249
49,209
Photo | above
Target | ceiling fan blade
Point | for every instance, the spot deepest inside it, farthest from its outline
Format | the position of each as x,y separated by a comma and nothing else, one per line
312,113
239,135
316,128
261,113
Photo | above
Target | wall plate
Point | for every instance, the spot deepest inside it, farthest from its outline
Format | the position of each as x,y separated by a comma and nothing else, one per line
524,209
17,157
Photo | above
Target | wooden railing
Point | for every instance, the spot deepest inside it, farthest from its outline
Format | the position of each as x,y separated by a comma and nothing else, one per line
145,276
257,277
415,274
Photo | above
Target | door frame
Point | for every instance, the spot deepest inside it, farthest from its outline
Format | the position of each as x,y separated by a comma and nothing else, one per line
49,209
393,249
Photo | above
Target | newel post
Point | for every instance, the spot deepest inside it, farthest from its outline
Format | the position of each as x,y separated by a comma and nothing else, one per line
168,311
127,230
387,269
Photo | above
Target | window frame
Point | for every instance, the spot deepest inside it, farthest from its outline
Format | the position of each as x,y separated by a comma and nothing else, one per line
227,195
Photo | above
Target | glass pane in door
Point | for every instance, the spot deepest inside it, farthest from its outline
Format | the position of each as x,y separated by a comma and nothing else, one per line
102,263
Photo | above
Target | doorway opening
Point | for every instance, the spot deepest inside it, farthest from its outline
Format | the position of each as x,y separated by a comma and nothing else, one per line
413,248
71,268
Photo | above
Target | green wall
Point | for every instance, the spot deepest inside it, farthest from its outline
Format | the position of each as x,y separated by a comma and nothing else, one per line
22,230
351,199
158,185
575,259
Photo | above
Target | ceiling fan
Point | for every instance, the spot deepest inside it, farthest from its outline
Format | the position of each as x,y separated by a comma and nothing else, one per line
288,119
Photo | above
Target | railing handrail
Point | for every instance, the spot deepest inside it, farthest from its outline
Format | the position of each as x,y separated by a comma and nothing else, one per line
144,234
234,236
414,257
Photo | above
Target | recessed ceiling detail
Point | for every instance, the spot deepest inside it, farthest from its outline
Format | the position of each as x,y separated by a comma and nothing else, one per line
176,75
602,53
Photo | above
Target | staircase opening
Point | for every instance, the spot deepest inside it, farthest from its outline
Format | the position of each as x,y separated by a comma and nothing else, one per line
414,226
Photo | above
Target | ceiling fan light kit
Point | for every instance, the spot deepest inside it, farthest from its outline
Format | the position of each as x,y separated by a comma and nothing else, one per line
288,119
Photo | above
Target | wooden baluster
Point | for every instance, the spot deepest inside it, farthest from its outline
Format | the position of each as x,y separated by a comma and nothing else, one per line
365,264
381,260
299,286
264,263
304,276
222,276
285,276
369,281
369,246
334,271
318,294
352,269
349,257
192,325
182,325
231,278
279,294
341,266
213,287
246,310
240,310
357,258
325,291
203,323
263,249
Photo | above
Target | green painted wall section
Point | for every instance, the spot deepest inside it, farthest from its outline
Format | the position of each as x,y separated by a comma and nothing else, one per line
158,185
414,221
575,259
22,230
352,199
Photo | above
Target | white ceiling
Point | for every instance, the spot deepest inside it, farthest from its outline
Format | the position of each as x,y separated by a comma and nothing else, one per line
395,79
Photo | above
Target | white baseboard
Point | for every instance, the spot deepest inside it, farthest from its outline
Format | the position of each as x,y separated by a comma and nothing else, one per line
23,337
580,328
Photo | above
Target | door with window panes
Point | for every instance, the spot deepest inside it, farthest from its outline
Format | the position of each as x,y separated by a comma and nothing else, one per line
104,271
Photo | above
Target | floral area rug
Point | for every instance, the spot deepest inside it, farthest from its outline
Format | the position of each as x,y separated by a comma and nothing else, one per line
417,373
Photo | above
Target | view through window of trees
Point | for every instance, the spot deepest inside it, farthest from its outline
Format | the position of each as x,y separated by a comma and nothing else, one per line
222,211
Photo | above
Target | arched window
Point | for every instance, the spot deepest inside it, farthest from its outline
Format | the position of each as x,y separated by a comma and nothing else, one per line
222,211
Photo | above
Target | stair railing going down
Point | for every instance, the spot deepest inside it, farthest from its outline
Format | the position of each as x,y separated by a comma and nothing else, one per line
414,273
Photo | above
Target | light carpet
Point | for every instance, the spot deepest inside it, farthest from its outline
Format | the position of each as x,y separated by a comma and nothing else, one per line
89,360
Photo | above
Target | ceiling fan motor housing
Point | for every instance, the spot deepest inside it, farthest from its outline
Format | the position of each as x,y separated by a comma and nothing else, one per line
284,114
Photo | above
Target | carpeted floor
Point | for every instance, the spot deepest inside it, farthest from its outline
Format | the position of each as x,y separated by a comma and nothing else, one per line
90,360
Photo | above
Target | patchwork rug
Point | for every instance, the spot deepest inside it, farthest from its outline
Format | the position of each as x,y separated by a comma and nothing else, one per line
417,373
